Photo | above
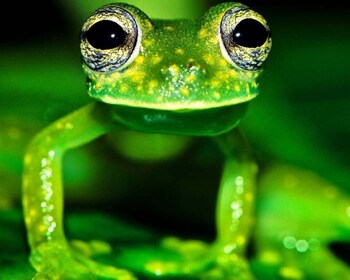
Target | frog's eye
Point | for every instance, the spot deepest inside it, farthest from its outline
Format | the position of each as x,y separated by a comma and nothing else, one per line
110,39
245,38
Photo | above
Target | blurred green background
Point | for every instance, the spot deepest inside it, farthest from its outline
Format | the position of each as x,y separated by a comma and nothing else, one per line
301,116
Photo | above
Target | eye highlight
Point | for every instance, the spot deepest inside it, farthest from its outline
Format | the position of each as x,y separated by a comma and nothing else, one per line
245,38
110,39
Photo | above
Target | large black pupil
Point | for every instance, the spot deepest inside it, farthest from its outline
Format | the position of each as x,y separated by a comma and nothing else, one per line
249,33
105,35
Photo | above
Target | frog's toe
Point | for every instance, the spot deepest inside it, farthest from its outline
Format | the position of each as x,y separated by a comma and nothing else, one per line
186,258
108,272
224,267
68,272
188,249
58,261
199,259
229,266
86,270
91,248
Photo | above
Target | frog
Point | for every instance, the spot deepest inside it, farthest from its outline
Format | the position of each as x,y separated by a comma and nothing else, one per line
285,247
166,78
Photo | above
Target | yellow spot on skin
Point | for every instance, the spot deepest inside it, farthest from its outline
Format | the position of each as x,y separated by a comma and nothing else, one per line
249,75
241,240
152,85
59,125
209,59
202,33
108,79
68,125
123,88
233,74
115,75
140,59
149,24
148,43
249,197
179,51
98,86
237,88
222,75
223,62
27,159
291,273
247,88
156,59
42,228
190,78
214,40
215,83
27,219
33,213
217,95
26,182
174,69
270,257
137,77
169,28
185,91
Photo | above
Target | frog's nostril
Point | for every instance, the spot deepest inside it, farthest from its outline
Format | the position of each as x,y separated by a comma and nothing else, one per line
189,65
193,65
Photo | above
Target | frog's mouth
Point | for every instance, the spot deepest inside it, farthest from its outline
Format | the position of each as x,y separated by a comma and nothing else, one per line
203,122
168,104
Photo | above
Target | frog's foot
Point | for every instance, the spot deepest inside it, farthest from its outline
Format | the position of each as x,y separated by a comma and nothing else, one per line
187,257
58,261
199,259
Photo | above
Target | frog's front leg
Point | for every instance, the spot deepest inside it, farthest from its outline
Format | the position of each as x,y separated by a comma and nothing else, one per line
235,207
43,197
225,258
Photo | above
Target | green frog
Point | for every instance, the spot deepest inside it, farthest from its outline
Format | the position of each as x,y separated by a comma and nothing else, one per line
166,82
167,79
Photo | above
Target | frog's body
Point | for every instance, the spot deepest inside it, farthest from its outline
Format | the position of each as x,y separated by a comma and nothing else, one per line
180,77
172,77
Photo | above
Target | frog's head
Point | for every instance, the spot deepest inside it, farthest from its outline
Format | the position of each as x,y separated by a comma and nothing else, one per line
178,65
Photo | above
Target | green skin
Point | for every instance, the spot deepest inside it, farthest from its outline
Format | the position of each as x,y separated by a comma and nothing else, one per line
157,93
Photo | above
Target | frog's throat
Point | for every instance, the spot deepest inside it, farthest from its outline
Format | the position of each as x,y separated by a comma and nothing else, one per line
204,122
